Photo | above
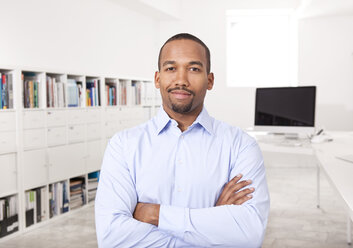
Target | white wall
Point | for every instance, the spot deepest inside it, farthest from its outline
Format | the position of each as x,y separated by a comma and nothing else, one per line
326,59
320,41
84,36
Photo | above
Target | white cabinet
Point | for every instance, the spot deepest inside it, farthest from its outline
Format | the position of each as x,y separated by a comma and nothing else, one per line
93,131
56,118
7,121
35,172
94,156
112,114
66,161
76,116
7,141
93,115
33,119
56,136
76,133
8,175
34,138
110,128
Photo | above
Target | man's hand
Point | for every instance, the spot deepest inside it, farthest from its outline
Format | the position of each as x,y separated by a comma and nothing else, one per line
147,212
231,194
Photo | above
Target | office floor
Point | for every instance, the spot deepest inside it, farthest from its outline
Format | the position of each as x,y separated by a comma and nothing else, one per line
294,219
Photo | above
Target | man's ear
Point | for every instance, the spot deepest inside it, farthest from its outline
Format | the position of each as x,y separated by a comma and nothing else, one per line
210,81
156,79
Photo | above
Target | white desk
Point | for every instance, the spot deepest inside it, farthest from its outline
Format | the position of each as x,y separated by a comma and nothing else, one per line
338,172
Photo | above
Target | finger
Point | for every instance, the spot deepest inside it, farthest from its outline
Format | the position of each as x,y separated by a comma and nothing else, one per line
233,181
240,195
226,192
243,199
241,185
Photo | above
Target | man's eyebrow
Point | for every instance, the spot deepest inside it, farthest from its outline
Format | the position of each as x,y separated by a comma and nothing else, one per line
196,63
168,62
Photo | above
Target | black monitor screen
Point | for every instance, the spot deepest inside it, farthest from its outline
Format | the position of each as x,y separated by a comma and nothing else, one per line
287,106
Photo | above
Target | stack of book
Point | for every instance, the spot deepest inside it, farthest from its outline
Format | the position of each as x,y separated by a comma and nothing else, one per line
136,93
74,93
148,93
92,185
110,91
8,215
55,93
6,91
58,199
123,92
77,196
35,206
30,90
92,91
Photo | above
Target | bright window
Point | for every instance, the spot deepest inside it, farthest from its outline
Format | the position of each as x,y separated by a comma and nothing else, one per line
261,48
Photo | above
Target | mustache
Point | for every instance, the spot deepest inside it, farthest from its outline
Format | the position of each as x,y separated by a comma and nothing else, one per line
183,88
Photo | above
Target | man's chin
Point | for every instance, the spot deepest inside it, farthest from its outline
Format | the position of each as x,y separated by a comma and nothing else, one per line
182,109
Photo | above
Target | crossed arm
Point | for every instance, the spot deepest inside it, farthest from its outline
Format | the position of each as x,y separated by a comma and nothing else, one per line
231,195
123,222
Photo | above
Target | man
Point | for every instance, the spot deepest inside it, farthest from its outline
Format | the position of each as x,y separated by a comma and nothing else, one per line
183,178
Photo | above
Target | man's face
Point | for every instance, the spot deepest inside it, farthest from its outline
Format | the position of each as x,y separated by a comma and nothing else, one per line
183,79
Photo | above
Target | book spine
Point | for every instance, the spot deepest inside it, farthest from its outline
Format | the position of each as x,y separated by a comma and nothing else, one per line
0,91
10,92
4,92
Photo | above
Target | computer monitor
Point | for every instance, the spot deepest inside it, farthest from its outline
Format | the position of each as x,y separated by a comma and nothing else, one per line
285,109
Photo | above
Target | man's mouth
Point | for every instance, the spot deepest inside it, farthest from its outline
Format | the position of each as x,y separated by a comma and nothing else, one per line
180,94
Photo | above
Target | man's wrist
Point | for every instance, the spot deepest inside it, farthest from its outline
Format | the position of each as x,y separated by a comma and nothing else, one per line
155,214
147,212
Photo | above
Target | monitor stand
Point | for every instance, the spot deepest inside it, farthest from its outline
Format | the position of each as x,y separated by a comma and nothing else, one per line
288,136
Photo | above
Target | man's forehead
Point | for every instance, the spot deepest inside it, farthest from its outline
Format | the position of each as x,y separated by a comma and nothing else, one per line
178,50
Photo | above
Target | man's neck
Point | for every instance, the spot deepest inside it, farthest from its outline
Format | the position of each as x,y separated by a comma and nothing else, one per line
184,120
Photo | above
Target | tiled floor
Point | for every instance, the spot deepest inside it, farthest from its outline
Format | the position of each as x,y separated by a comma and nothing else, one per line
294,219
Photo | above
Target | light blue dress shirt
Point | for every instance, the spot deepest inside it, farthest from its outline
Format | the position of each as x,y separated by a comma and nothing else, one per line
185,173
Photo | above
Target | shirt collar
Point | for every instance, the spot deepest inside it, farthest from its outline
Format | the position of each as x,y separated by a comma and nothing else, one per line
203,119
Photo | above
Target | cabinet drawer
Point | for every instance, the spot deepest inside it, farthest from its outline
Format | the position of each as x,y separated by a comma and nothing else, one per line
8,175
56,136
76,133
33,119
7,142
111,114
56,118
66,161
124,114
35,169
93,115
110,128
7,121
94,156
93,131
76,116
34,138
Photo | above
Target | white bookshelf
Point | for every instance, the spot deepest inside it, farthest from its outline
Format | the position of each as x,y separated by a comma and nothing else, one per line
48,137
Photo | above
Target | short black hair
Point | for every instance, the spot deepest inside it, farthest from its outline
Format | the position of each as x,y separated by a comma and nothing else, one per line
186,36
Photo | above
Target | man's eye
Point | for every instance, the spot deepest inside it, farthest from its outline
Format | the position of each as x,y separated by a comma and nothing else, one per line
170,69
194,69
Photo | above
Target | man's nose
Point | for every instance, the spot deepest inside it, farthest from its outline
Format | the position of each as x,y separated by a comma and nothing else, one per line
182,79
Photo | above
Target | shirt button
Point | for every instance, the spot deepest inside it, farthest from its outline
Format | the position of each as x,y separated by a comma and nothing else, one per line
179,161
179,189
182,136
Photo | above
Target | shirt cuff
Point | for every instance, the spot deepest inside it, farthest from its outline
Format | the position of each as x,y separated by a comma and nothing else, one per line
173,219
